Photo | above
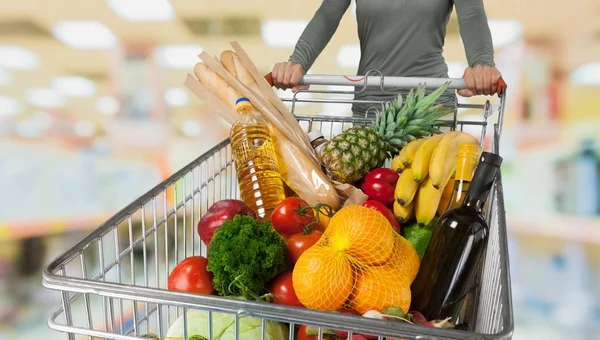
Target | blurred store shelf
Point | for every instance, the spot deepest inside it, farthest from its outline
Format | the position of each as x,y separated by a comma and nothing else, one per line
585,230
24,229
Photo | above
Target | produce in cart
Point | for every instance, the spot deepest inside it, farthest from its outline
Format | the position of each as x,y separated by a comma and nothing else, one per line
219,213
360,262
353,153
244,255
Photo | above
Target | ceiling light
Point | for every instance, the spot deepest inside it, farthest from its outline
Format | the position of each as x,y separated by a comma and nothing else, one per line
282,33
84,35
349,56
176,97
5,76
191,128
18,58
505,32
74,86
142,10
588,74
42,97
10,107
178,56
107,105
456,69
84,128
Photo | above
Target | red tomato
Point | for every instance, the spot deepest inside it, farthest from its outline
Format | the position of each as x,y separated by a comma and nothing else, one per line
298,243
289,216
283,290
379,190
191,276
375,205
384,174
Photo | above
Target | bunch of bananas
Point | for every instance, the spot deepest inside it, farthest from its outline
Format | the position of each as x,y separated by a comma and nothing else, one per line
427,166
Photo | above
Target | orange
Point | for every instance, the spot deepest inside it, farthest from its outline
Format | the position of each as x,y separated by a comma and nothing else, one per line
323,278
362,233
404,259
379,288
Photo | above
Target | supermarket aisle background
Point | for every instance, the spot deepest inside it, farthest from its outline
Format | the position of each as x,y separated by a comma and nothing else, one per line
93,113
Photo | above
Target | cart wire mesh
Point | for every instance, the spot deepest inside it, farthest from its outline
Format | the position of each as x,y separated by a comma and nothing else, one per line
113,282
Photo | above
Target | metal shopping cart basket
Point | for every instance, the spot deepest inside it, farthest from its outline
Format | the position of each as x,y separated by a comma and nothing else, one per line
113,282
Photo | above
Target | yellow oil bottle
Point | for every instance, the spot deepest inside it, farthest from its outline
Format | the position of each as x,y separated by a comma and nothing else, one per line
259,180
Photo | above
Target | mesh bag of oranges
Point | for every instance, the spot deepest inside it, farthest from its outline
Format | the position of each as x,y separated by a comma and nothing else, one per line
360,263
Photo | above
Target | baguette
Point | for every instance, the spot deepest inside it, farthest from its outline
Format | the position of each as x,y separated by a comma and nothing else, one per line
211,99
219,86
298,171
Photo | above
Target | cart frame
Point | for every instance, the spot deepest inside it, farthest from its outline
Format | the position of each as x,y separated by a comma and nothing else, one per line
131,299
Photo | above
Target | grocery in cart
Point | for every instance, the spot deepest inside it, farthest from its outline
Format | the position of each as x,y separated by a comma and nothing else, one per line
387,226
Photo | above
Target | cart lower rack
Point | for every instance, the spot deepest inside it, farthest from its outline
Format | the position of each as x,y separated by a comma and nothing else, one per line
113,282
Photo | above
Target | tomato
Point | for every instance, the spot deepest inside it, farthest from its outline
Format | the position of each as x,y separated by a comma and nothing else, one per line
379,190
283,290
389,215
298,243
191,276
385,174
291,216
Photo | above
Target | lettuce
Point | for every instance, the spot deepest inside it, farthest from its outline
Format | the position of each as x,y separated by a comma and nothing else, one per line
223,327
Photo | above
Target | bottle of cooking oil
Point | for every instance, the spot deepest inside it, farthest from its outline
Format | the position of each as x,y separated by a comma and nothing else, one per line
260,183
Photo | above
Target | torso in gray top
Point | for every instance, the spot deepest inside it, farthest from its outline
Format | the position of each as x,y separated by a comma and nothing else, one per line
400,38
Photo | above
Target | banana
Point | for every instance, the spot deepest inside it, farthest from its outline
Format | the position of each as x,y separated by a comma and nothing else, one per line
406,188
397,164
403,214
420,163
408,152
427,202
443,160
446,197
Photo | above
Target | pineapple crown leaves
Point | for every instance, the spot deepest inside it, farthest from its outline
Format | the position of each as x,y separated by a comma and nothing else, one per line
399,124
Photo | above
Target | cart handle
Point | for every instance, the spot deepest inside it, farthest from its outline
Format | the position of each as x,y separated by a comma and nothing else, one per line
386,82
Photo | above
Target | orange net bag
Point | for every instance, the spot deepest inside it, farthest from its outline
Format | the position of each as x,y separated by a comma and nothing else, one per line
360,263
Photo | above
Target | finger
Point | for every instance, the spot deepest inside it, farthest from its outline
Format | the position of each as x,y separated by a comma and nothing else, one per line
281,75
469,79
274,73
297,73
487,81
289,70
465,93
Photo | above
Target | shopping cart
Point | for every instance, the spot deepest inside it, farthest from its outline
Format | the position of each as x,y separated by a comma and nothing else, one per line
113,282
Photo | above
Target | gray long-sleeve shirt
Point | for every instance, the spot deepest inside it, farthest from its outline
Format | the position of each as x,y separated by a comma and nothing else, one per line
400,38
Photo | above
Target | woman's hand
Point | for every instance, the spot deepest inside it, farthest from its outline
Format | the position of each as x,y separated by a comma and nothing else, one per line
288,75
480,80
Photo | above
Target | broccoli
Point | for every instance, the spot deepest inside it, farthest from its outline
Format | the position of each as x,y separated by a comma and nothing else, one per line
244,255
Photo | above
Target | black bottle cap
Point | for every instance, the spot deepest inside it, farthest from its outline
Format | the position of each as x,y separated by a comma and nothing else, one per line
484,176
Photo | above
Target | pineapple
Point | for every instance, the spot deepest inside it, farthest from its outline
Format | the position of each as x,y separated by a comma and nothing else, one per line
348,156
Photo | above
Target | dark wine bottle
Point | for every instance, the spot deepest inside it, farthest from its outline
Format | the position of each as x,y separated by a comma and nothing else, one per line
448,278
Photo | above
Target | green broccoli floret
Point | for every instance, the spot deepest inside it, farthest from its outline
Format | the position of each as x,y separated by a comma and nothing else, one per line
245,254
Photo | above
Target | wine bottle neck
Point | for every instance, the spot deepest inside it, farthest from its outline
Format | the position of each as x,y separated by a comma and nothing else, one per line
474,203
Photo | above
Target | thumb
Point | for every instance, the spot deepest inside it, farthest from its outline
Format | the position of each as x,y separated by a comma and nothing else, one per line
300,87
466,93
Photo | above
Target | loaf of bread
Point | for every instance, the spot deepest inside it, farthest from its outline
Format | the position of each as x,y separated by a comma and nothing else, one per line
298,171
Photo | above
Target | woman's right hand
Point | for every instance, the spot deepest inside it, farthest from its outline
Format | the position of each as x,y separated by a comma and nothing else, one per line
288,75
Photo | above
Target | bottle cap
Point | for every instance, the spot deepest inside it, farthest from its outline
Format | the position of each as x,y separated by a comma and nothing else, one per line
314,135
242,99
484,176
491,158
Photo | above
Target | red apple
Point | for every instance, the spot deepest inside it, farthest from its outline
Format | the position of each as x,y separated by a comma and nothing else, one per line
219,213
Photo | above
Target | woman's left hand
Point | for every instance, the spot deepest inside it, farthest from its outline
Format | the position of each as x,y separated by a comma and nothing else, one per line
480,80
